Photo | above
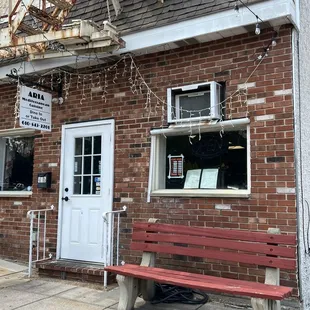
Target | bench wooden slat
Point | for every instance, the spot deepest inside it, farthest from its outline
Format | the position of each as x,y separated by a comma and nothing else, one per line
203,282
215,254
216,243
180,274
217,233
196,276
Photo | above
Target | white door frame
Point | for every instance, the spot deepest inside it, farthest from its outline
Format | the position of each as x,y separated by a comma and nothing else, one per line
61,181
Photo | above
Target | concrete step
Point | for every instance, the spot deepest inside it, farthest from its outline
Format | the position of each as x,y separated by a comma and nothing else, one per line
73,270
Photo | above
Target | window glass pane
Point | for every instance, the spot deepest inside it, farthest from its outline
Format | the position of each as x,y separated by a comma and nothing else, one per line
97,145
210,161
97,165
77,185
78,165
78,146
86,185
87,145
18,164
96,185
87,165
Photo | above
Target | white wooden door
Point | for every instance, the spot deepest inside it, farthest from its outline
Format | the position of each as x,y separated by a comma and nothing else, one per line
86,189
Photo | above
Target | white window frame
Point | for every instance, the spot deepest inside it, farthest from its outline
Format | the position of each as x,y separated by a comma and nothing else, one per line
12,133
157,172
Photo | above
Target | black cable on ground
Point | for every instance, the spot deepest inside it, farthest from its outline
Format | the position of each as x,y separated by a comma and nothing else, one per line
166,293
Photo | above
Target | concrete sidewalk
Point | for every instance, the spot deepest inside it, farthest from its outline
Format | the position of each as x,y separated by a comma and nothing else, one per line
17,291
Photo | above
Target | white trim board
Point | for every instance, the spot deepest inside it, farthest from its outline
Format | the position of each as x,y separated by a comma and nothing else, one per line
17,132
206,28
183,129
216,23
16,194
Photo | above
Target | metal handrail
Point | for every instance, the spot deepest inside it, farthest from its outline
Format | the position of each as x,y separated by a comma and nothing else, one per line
31,215
108,239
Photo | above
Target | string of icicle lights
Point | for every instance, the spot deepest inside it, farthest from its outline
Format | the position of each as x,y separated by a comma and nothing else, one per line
138,86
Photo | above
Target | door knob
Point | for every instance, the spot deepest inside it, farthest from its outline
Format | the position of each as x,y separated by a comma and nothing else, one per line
65,198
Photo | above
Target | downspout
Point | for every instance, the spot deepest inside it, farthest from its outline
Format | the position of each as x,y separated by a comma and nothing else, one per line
297,146
297,142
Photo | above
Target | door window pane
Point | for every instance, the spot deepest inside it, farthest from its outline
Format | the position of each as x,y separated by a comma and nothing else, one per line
96,185
87,165
97,145
78,165
97,164
86,185
77,185
78,146
87,145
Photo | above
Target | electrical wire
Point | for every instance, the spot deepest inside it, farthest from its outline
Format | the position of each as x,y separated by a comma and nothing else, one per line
108,8
166,293
251,10
306,238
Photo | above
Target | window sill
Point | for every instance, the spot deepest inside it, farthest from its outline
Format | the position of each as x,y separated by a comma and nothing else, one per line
222,193
15,194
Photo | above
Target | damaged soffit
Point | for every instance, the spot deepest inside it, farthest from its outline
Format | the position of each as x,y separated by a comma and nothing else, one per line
35,28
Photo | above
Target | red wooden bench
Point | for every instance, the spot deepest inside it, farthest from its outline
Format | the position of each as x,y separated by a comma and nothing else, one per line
272,250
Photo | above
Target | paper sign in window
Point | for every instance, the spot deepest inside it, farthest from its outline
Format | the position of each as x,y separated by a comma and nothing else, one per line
209,178
192,178
176,166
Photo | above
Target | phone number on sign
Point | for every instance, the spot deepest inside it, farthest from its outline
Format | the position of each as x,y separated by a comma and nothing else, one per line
32,124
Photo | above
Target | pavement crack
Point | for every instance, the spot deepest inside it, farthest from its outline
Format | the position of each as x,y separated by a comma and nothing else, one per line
45,298
109,307
31,303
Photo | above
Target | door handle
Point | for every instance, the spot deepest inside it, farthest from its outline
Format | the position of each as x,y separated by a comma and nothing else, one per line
65,198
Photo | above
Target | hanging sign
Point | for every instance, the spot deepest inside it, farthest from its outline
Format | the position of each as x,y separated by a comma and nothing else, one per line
176,166
35,109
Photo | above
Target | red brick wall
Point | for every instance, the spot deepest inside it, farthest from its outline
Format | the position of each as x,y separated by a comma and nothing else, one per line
230,60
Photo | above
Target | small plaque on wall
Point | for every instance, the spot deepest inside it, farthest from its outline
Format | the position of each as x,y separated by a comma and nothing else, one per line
176,166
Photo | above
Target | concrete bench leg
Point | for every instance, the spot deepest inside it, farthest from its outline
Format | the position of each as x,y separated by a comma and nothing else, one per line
272,277
147,287
128,292
265,304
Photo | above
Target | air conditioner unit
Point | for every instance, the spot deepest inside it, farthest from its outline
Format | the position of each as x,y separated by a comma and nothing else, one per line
195,102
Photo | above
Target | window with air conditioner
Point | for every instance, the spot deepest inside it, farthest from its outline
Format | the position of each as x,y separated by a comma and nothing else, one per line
195,102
